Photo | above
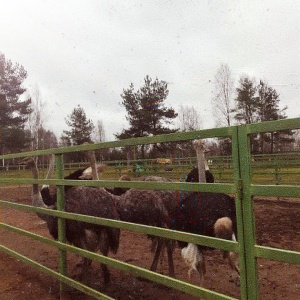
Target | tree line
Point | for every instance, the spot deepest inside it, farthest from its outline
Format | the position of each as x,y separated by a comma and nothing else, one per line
250,102
22,116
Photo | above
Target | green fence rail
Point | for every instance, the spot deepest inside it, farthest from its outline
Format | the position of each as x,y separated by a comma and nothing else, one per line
242,186
275,168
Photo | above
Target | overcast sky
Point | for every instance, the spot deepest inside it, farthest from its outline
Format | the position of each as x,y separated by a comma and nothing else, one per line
85,52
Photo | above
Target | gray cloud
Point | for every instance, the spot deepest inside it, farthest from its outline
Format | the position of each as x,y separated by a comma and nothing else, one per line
86,52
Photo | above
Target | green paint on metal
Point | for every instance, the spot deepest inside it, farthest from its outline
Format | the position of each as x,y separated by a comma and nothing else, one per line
162,232
248,214
175,186
61,221
137,271
240,169
239,212
173,137
66,280
287,256
273,126
275,190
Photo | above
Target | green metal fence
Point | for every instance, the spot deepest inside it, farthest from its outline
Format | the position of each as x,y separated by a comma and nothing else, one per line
241,186
276,168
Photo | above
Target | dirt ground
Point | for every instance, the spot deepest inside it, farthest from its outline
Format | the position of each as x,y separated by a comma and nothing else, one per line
277,225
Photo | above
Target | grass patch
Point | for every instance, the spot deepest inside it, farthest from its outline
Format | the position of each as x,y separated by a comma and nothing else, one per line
289,176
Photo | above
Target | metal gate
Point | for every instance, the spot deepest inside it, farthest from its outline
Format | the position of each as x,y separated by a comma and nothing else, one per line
242,187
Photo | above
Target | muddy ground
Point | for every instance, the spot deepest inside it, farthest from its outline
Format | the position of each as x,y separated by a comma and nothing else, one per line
277,225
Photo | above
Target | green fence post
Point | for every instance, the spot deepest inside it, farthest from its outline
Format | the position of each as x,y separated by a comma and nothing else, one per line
248,213
239,211
59,165
277,170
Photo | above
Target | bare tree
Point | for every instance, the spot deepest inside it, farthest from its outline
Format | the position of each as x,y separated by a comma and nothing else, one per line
188,118
36,118
99,136
222,100
296,144
99,132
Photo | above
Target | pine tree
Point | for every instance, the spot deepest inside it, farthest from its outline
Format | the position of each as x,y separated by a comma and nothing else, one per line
260,103
147,113
13,111
81,127
268,110
246,101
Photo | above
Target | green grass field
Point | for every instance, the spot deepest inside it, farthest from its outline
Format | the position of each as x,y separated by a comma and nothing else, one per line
259,175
